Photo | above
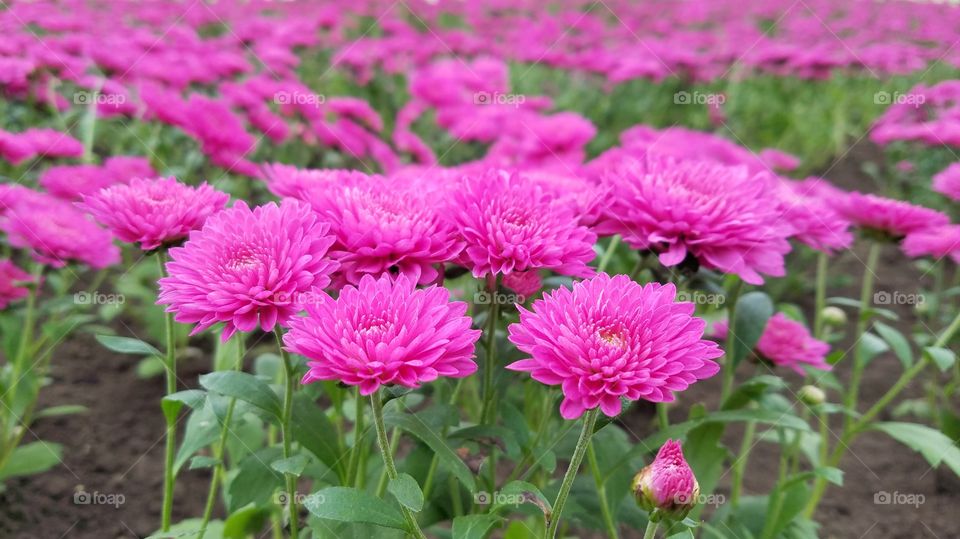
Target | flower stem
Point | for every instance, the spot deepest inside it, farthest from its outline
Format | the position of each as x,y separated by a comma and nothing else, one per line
377,404
354,463
651,531
608,254
171,446
601,492
728,366
662,417
741,463
866,293
493,316
820,295
286,434
582,443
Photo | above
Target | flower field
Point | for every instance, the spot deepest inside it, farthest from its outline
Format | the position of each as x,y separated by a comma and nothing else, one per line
506,268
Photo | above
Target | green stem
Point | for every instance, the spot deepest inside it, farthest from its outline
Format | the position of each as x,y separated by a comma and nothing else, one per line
286,434
582,443
601,492
651,530
608,254
662,417
741,463
490,365
220,452
394,443
354,464
820,294
171,445
866,293
728,366
377,404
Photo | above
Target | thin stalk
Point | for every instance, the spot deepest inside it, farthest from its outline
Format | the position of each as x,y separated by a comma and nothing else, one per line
394,443
170,449
741,463
728,366
353,464
651,530
490,365
866,293
601,492
377,404
220,452
582,443
662,417
820,294
286,434
608,254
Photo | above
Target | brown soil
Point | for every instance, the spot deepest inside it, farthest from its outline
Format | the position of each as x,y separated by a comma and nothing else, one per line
116,448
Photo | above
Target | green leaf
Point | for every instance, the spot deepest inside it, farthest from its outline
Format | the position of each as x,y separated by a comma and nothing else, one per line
936,447
150,367
244,523
173,403
126,345
245,387
450,460
515,493
751,389
202,430
345,504
407,491
831,474
190,529
255,481
66,409
474,526
293,465
871,346
896,340
943,357
312,429
32,458
201,461
753,311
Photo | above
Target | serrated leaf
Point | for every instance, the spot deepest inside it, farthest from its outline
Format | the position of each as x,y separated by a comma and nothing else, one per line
345,504
407,491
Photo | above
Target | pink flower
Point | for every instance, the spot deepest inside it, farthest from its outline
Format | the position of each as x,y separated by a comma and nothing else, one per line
386,227
509,224
154,212
12,281
384,332
611,338
786,343
56,233
724,217
894,218
524,283
938,242
775,159
815,223
74,181
947,182
248,268
667,484
289,181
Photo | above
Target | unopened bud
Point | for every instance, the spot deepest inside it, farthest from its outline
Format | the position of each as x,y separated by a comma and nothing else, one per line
667,487
812,395
834,316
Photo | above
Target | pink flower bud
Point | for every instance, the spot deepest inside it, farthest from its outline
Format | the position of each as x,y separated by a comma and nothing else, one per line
667,487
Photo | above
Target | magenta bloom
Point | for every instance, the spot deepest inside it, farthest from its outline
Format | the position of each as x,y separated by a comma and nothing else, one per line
947,181
56,233
289,181
248,268
154,212
668,483
611,338
386,227
12,281
524,283
384,332
509,224
938,242
786,343
894,218
815,223
723,216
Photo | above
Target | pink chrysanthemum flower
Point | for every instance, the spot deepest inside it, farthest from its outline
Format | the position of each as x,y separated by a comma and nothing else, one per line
611,338
786,343
667,484
815,223
289,181
386,227
938,242
383,332
894,218
524,283
12,283
154,212
947,182
56,233
722,216
509,224
248,268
